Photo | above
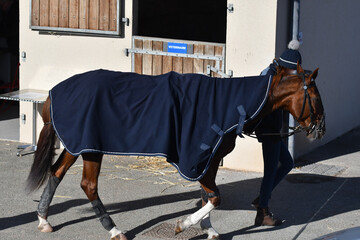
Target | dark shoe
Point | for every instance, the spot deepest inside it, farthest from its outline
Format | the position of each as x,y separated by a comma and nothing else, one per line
255,203
265,218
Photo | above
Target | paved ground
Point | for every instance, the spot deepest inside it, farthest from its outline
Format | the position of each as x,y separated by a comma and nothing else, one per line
9,120
145,197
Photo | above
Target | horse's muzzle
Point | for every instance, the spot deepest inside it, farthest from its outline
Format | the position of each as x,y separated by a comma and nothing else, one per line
318,129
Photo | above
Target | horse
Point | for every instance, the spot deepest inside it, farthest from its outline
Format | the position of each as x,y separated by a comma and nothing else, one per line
294,91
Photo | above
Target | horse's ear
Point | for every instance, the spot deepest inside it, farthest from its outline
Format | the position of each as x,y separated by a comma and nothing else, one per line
299,68
314,74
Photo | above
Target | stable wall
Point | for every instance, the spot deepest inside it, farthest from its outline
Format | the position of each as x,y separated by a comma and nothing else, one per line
51,58
254,32
331,39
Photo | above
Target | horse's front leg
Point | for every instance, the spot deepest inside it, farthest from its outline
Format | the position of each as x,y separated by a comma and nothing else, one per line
210,200
89,183
205,223
209,193
58,171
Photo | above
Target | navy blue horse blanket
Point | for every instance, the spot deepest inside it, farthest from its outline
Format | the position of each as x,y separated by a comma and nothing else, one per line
182,117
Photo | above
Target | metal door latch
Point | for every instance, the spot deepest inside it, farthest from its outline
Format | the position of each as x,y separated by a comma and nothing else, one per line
230,8
126,21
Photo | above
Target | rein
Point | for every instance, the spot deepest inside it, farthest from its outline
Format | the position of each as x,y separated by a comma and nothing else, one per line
295,130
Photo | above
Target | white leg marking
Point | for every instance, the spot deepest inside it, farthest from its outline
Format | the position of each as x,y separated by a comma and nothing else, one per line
116,234
44,225
206,226
114,231
197,216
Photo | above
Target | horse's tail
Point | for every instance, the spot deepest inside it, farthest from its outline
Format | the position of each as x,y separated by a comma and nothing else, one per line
44,154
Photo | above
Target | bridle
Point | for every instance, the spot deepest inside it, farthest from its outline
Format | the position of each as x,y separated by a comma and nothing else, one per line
312,125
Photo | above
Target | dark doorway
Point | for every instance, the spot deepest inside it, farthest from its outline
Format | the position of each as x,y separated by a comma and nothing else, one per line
9,67
200,20
9,40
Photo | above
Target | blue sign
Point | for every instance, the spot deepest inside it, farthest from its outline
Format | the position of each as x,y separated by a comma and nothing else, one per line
177,47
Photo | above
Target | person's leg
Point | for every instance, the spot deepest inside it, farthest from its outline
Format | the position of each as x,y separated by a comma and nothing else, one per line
286,164
271,154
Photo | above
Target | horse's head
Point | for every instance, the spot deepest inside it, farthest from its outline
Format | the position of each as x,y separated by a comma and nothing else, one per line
297,93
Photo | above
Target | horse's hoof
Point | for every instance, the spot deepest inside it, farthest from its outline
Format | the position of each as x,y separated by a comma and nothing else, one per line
179,226
120,236
212,234
214,237
45,227
210,231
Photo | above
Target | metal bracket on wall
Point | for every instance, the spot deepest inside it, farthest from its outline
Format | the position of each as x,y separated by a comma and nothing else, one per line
126,21
216,70
230,8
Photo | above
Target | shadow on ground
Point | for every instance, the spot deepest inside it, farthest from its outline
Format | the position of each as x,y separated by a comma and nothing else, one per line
294,200
340,146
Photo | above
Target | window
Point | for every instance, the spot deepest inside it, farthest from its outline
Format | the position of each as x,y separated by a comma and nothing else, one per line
79,16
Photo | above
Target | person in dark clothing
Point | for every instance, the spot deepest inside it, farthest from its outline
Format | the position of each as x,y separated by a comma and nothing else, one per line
277,164
277,159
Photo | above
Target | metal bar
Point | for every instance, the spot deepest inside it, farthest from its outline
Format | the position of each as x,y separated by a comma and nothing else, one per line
132,55
118,25
74,30
34,124
179,41
30,149
213,69
295,34
30,14
208,57
217,65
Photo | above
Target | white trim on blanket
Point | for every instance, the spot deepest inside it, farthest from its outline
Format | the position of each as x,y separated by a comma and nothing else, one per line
163,154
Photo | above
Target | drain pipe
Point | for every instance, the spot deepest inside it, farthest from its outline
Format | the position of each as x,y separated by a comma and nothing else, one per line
295,35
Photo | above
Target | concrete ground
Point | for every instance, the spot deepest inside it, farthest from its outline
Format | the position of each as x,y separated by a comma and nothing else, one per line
146,196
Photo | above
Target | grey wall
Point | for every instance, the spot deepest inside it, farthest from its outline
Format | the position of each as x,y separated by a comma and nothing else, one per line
331,39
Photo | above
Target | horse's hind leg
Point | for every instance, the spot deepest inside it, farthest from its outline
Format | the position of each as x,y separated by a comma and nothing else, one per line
89,183
58,171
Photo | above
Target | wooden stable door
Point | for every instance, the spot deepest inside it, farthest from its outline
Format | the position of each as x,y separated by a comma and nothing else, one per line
154,56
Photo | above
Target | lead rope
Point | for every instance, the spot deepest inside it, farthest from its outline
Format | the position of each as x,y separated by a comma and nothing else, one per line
296,129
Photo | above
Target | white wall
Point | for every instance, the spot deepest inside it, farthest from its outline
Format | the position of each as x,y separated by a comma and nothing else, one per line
51,58
250,48
331,42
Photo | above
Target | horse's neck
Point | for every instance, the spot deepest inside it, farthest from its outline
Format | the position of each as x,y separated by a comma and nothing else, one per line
271,103
276,99
252,124
277,95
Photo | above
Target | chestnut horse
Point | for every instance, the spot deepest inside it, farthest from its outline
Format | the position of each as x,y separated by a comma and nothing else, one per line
291,90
